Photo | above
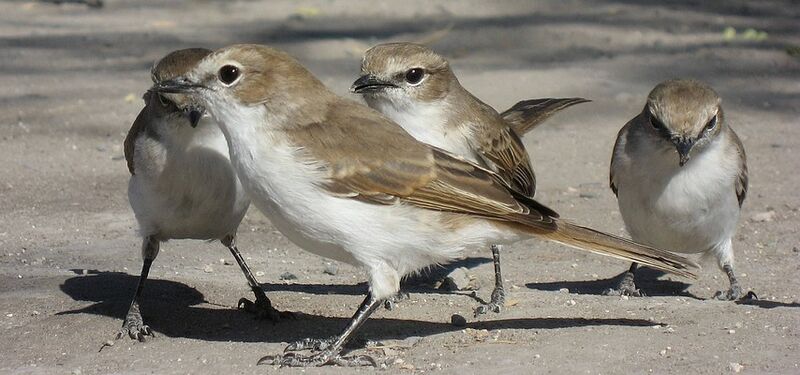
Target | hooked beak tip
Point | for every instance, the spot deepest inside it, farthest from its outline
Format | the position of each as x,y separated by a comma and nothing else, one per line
195,115
684,149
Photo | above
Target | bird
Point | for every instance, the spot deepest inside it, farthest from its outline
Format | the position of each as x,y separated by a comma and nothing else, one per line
679,172
342,181
416,88
182,183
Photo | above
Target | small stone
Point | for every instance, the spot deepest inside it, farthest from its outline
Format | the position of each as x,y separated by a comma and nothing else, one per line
458,320
624,297
458,279
331,269
563,291
84,272
735,367
763,217
796,249
259,273
571,303
208,269
731,331
738,325
663,352
537,356
288,276
34,313
76,371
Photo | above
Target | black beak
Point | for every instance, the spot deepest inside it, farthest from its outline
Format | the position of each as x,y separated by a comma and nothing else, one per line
179,85
369,83
195,113
684,148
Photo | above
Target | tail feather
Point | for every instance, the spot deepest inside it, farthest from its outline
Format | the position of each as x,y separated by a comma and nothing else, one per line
588,239
528,114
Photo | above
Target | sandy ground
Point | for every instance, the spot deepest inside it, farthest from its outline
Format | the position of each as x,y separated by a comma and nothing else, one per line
69,256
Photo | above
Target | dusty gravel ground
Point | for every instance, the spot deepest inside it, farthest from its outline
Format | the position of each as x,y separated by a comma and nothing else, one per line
71,79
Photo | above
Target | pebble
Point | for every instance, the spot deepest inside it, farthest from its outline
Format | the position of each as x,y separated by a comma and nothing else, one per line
208,269
331,269
763,217
571,303
288,276
735,367
731,331
34,313
259,273
564,290
458,320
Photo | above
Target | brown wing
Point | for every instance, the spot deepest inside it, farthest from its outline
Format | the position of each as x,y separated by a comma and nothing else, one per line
505,150
528,114
139,126
742,180
352,147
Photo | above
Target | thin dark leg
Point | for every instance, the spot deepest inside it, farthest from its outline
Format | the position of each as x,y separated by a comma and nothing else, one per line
626,285
134,326
499,292
329,352
262,307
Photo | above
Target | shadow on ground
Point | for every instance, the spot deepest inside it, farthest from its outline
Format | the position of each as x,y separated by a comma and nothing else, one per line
646,280
169,308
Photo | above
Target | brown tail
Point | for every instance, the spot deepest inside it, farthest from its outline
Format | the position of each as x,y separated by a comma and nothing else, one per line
528,114
606,244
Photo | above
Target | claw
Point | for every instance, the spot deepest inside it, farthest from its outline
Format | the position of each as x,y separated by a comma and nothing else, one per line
134,326
320,359
262,309
625,287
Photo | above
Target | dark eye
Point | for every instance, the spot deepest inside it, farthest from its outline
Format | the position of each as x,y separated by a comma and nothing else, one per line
164,101
711,123
228,74
414,76
656,123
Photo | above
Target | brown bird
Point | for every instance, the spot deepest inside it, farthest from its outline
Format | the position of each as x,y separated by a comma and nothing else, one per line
417,89
680,175
342,181
182,183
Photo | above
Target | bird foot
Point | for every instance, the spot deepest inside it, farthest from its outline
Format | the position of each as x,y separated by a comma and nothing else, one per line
262,309
495,304
734,294
625,287
322,358
310,344
134,326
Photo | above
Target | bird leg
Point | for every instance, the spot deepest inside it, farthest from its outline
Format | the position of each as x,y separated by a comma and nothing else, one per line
735,291
626,285
328,351
499,293
133,325
262,307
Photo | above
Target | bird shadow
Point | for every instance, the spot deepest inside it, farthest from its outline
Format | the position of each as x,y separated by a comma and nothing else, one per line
171,309
646,280
765,304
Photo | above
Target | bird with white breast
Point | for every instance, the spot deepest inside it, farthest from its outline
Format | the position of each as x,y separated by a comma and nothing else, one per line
416,88
680,175
182,183
342,181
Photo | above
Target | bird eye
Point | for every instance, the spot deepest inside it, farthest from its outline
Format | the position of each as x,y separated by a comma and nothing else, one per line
414,76
711,123
164,101
228,74
655,122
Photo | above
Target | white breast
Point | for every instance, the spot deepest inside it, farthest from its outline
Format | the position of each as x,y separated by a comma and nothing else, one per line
687,209
185,185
